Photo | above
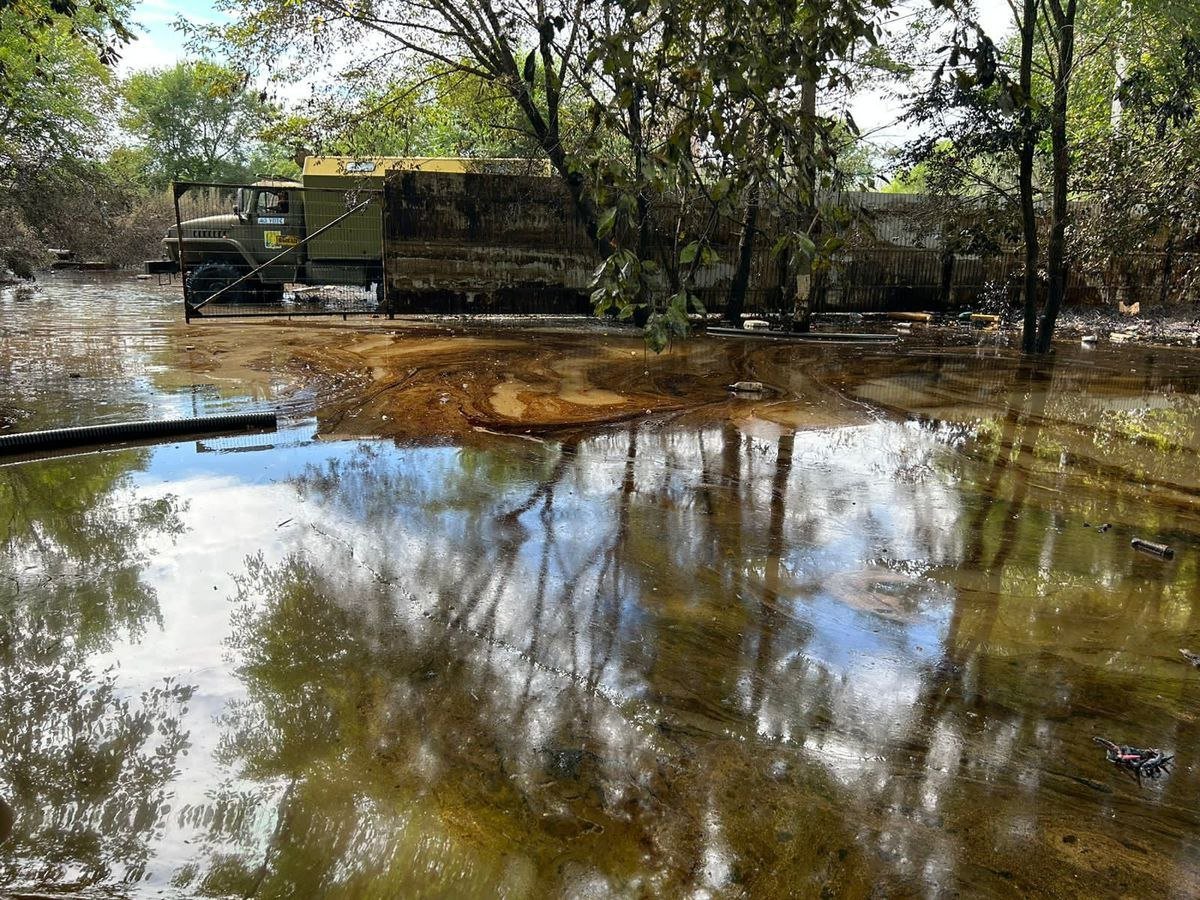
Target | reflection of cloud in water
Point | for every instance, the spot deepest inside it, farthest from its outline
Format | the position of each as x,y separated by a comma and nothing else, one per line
595,649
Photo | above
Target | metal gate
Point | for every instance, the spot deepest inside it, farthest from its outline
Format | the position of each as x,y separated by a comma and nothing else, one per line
275,248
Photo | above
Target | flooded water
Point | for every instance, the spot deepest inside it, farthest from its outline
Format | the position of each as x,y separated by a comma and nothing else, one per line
852,641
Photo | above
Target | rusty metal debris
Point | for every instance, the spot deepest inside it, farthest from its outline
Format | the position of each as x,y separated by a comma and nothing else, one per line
1136,761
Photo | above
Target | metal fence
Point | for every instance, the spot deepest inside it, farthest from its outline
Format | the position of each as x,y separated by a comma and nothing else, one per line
487,243
274,248
481,243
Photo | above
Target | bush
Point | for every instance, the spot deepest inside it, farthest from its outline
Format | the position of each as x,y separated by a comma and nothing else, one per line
22,251
89,213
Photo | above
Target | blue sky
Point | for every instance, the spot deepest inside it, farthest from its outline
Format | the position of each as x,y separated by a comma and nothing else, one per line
158,43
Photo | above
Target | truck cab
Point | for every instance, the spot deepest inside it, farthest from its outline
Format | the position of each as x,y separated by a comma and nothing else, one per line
265,219
325,230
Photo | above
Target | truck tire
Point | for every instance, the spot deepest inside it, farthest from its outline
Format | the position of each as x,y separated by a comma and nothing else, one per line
212,277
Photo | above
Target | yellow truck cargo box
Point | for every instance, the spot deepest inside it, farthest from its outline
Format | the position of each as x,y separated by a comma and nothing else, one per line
337,183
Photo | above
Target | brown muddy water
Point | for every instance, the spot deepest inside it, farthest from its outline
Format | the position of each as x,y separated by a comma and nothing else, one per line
851,640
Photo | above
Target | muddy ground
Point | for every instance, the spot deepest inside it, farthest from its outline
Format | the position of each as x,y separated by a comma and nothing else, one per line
422,381
444,380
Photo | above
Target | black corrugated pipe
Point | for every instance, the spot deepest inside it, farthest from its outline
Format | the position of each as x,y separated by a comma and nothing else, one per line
60,438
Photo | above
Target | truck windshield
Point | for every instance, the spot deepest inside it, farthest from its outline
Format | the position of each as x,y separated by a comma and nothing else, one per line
272,202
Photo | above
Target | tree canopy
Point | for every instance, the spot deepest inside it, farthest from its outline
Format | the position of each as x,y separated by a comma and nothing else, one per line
668,121
196,121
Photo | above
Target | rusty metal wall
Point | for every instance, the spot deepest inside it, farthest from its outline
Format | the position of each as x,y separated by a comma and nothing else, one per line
504,244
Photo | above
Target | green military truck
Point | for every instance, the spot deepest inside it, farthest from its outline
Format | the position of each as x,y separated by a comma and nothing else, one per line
325,229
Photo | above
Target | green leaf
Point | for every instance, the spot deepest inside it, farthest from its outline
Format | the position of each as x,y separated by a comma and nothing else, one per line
606,223
688,253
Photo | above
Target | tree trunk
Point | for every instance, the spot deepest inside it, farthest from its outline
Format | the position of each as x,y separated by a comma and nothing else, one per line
1025,177
946,285
745,254
802,312
643,224
1164,291
1056,251
550,140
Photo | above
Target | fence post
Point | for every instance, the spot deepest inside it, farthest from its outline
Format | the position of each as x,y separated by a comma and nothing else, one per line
187,306
383,242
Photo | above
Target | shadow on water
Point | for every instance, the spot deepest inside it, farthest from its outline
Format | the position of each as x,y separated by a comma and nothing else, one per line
681,655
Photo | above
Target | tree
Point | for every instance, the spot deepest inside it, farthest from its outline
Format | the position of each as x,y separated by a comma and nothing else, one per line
1087,100
687,105
53,87
1139,162
196,120
98,26
431,113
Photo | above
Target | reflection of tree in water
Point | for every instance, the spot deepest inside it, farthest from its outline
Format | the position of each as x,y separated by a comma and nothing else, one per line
418,758
662,658
517,701
1058,633
86,768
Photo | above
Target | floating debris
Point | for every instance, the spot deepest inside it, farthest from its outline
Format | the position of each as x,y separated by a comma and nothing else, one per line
747,387
1135,760
1162,551
1193,658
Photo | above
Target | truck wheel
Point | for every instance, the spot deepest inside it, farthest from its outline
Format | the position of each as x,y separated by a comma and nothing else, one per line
212,277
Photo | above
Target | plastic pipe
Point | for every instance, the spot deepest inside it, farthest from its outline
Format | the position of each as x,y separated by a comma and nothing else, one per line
117,432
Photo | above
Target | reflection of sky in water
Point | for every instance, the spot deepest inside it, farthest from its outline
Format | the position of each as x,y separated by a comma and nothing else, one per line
844,513
860,648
